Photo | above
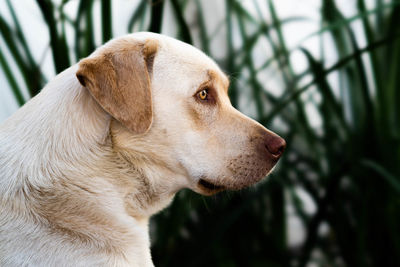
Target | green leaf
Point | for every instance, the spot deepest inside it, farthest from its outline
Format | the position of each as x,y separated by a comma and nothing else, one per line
11,80
106,19
392,180
57,41
140,12
184,28
157,8
84,38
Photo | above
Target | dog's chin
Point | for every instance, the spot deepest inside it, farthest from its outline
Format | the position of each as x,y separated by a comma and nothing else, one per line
210,187
205,187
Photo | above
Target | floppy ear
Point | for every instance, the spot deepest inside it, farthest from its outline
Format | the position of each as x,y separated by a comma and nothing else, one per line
119,80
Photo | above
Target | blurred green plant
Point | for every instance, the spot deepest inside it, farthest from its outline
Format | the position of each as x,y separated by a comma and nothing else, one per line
349,166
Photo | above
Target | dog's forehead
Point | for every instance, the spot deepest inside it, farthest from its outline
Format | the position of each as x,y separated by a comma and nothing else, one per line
176,49
175,55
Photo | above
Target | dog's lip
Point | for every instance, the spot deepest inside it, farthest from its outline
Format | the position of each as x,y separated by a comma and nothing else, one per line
209,186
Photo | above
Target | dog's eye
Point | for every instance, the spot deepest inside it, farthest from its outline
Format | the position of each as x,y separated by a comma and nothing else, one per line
203,94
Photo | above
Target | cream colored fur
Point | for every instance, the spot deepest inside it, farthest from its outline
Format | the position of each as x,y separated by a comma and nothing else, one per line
77,186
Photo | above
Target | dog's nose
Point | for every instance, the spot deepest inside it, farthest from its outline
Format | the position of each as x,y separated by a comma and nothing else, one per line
275,145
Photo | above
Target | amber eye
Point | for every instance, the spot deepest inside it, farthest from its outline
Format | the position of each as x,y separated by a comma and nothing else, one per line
203,94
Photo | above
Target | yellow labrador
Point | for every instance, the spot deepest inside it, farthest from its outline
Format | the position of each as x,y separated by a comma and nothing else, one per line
109,142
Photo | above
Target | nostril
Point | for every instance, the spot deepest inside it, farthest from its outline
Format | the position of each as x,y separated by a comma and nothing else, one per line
276,146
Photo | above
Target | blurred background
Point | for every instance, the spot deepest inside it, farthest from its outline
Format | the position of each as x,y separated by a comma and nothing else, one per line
323,74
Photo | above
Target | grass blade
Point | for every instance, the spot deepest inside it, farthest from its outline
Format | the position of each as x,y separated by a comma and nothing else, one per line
84,40
140,12
184,28
106,19
58,45
205,42
385,174
156,16
20,35
389,95
331,108
11,44
230,56
11,80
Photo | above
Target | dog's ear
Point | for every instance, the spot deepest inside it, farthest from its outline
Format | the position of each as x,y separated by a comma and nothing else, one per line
119,80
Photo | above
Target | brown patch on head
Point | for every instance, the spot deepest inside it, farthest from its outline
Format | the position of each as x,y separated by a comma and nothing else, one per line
119,79
149,52
219,79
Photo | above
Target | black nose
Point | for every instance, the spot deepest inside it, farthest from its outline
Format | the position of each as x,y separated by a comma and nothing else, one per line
275,145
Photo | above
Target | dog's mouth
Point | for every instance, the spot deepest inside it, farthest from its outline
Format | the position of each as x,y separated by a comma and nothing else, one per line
209,187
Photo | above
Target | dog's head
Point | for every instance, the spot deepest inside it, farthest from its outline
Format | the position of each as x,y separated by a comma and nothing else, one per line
171,107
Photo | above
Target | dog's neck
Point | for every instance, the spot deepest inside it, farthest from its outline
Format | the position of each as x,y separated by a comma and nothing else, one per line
72,164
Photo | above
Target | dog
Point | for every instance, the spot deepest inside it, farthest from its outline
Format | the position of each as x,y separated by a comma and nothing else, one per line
109,142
